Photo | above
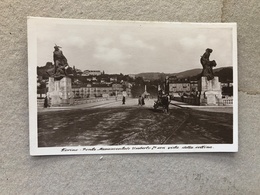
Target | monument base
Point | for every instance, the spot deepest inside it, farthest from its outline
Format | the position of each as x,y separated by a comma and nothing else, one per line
60,92
210,92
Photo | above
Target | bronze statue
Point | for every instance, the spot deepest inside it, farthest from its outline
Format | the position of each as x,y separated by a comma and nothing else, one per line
207,65
60,63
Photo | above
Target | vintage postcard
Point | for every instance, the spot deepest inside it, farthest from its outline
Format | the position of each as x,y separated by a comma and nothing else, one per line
109,87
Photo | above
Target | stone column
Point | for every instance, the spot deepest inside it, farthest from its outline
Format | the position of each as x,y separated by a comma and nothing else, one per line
210,92
65,91
53,92
60,91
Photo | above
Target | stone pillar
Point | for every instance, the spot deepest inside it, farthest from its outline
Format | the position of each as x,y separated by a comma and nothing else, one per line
51,85
210,92
60,91
66,91
53,92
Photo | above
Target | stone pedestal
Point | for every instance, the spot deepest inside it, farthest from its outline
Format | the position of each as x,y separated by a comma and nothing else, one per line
60,92
210,92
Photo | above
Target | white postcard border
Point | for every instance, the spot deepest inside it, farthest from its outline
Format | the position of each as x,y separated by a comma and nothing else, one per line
32,23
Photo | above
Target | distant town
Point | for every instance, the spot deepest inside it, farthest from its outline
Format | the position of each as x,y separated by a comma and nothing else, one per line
97,83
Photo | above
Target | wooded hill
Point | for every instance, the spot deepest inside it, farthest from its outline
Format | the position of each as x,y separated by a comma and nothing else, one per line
224,74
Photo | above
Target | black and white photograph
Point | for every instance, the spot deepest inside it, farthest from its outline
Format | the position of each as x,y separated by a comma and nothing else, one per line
108,87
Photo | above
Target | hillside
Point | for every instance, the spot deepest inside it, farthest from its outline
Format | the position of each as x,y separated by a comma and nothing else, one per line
189,73
42,70
151,75
223,73
158,75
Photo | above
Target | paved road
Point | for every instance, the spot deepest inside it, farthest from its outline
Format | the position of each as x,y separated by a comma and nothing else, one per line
116,124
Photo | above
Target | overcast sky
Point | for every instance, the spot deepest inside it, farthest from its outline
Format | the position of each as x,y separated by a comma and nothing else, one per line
133,47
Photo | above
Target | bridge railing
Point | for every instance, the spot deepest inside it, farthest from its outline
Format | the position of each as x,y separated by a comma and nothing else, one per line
91,100
40,102
227,101
188,100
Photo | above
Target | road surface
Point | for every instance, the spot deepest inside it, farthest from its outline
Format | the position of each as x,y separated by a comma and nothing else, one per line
112,123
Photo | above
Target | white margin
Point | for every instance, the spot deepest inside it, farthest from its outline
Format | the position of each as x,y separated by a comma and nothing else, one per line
32,23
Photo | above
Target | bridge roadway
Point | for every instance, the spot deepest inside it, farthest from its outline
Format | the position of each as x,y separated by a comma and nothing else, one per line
111,123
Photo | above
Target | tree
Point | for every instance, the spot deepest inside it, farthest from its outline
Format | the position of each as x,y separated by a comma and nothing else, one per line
137,90
42,70
139,81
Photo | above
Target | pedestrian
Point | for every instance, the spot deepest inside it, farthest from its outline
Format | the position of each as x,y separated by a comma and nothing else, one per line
123,100
124,96
143,101
46,103
140,100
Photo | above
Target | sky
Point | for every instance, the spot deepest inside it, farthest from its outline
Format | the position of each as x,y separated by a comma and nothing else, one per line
133,47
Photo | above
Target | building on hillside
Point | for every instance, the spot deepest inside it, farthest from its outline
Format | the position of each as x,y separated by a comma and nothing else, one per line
126,84
113,79
132,76
94,78
117,87
78,72
103,81
172,79
76,82
89,78
91,73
